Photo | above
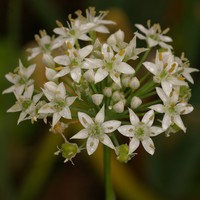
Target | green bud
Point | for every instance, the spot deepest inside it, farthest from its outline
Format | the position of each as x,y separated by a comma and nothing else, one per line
69,150
123,153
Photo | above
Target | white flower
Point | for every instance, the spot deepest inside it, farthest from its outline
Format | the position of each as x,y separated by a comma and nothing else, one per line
172,109
95,130
110,64
46,44
72,62
184,69
59,103
165,71
141,131
153,35
20,78
25,103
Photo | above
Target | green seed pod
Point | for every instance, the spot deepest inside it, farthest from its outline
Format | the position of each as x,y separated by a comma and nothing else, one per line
69,150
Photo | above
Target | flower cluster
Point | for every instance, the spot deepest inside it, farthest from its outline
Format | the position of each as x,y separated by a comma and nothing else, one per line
110,87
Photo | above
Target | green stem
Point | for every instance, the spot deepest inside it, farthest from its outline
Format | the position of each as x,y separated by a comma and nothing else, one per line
109,194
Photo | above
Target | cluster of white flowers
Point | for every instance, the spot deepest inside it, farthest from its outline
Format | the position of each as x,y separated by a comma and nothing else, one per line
110,87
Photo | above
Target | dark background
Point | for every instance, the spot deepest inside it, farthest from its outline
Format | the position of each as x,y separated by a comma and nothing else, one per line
28,168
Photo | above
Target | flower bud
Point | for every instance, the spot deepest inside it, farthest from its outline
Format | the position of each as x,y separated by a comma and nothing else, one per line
126,81
97,99
123,153
107,91
117,96
69,150
135,102
119,107
134,83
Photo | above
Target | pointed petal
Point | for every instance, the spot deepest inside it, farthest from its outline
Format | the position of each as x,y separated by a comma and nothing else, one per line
133,117
85,51
91,145
151,67
66,113
124,68
148,118
70,100
133,145
62,60
148,145
162,95
167,87
166,122
107,141
111,126
158,108
126,130
82,134
56,118
85,119
155,130
76,74
100,116
178,121
100,75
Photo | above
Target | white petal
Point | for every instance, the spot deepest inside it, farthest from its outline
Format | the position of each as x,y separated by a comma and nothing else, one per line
91,145
62,60
133,117
85,119
155,130
91,63
126,130
100,116
167,87
148,118
124,68
76,74
162,95
82,134
63,72
56,118
50,73
97,99
21,117
15,108
166,122
184,108
70,100
178,121
158,108
100,75
148,145
142,28
111,126
107,141
66,113
151,67
115,76
85,51
133,145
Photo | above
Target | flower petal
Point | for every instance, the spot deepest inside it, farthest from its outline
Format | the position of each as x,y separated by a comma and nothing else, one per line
91,145
100,116
111,126
166,122
133,145
85,119
126,130
133,117
148,145
82,134
148,118
178,121
107,141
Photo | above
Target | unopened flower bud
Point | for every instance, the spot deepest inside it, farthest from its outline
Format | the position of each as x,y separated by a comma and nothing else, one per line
135,102
89,75
69,150
134,83
116,96
107,91
97,99
119,107
126,81
123,153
